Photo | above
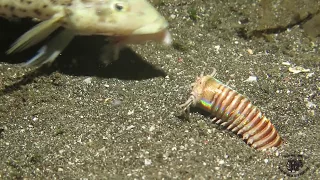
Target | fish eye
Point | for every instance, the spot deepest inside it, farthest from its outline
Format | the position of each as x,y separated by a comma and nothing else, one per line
119,6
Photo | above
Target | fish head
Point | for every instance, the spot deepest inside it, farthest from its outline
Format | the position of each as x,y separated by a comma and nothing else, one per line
137,20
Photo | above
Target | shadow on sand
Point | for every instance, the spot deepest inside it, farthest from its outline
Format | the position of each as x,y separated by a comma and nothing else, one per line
80,58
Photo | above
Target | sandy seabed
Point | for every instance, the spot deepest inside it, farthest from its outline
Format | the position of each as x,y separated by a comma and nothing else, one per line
81,119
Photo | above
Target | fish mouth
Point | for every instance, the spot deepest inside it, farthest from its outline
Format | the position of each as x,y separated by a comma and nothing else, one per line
162,36
155,27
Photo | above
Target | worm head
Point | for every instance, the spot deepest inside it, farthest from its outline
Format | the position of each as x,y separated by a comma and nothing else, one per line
200,84
192,100
197,91
198,87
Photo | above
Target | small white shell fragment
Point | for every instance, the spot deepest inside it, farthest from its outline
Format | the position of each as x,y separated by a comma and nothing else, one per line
217,47
250,51
88,80
251,79
309,75
130,127
130,112
221,162
117,102
152,128
147,162
287,63
310,105
298,69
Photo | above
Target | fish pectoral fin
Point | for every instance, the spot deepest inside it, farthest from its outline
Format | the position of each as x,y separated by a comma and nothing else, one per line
36,34
49,52
110,52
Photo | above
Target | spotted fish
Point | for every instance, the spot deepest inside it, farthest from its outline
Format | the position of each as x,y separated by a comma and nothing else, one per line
126,21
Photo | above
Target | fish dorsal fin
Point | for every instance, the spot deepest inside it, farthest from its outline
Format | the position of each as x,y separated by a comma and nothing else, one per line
36,34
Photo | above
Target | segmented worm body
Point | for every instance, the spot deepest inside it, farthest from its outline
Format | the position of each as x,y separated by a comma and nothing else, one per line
233,111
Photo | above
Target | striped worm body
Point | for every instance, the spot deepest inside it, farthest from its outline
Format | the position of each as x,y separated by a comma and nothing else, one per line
234,111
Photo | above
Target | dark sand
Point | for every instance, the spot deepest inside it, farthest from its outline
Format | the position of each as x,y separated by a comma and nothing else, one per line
122,122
